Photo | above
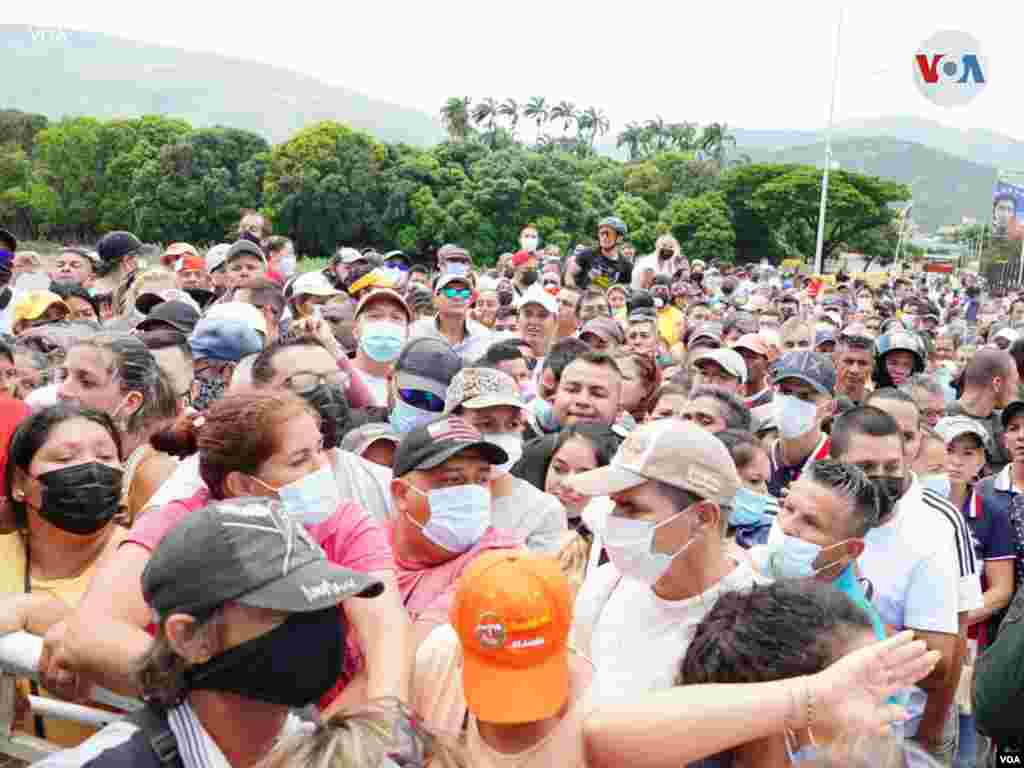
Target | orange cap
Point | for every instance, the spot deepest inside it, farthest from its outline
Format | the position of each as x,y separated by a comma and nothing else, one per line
512,613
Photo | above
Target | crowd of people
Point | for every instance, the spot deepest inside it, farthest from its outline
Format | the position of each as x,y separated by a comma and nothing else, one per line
574,509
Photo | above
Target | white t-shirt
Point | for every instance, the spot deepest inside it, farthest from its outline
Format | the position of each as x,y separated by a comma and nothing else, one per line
635,638
359,480
43,397
378,388
539,517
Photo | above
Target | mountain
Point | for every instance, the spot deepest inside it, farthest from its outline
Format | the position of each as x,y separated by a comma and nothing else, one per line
65,72
945,187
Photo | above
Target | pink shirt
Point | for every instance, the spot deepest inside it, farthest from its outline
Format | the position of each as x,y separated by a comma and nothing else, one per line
350,538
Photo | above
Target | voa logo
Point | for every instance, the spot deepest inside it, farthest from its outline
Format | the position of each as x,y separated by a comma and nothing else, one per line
949,69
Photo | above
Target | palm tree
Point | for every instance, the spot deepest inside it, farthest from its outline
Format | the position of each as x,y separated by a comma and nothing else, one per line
596,122
487,111
714,139
564,111
630,138
455,117
656,134
510,108
682,135
536,109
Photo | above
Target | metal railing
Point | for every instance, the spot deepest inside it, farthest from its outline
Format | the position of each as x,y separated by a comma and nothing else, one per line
19,658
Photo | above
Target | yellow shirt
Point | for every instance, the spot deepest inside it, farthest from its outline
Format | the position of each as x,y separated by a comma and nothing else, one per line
668,324
12,582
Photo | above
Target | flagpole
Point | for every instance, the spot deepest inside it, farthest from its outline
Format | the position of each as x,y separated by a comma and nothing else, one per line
828,154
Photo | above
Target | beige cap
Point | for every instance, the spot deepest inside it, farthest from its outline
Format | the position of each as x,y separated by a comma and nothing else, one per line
672,451
482,388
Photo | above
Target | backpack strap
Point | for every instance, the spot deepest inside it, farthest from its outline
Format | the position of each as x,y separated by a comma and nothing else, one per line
152,721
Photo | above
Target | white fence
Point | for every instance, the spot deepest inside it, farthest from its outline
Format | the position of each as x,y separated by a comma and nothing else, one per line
19,657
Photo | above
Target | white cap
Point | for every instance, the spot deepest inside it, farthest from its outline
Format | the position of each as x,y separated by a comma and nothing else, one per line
216,256
729,359
537,295
241,311
313,284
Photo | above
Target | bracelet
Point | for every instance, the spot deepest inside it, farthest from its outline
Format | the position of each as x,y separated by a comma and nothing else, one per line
795,721
810,703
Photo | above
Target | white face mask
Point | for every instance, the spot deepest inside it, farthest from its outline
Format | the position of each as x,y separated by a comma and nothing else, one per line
511,443
630,545
529,243
310,499
796,417
788,556
288,264
459,516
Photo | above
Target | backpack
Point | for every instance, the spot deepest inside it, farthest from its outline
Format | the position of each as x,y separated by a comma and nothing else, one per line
152,721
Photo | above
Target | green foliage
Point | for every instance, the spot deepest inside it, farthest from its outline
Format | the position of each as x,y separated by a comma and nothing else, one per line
701,225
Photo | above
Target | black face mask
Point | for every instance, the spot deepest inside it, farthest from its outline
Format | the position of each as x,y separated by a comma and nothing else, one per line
665,253
332,406
81,499
505,298
293,665
529,277
889,489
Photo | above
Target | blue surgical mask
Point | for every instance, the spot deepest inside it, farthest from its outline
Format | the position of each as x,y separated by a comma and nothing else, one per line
749,508
938,483
288,264
788,556
382,340
459,516
311,499
404,418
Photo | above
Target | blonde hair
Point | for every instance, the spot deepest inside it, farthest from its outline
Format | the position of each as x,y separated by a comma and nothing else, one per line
153,280
367,737
573,556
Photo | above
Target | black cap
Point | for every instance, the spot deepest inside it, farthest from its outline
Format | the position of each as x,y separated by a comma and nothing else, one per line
114,246
201,296
251,551
433,444
8,240
176,314
427,363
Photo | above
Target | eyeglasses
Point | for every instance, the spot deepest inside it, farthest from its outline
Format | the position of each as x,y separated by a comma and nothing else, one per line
308,380
457,293
420,398
400,266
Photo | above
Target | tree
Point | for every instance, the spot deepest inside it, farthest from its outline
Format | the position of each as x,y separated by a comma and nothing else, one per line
715,140
682,136
486,111
593,123
655,136
631,138
455,117
509,109
566,112
536,109
701,225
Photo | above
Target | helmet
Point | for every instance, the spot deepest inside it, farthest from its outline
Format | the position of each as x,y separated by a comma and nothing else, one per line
615,223
893,341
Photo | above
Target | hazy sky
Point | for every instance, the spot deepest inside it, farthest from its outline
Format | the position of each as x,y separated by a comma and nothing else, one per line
752,65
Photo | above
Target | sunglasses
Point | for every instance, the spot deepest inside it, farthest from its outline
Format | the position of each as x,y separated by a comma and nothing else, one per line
420,398
457,293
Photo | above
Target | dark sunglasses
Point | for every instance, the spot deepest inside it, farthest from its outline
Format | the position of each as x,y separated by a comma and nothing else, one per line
420,398
457,293
399,265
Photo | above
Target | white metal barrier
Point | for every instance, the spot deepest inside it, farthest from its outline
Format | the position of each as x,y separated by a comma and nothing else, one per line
19,658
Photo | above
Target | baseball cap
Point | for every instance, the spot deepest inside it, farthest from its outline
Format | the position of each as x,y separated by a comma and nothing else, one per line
604,327
728,359
358,440
384,294
950,428
427,363
32,304
375,278
146,302
754,343
537,295
177,314
314,284
512,612
216,256
432,444
189,262
175,250
244,248
221,339
242,311
712,331
114,246
450,249
671,451
1009,334
350,255
824,336
451,277
251,551
812,368
482,388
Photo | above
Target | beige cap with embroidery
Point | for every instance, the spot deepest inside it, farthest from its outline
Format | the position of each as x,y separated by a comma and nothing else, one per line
671,451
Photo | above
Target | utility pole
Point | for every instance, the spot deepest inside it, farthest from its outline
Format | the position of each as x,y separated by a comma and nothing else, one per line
828,153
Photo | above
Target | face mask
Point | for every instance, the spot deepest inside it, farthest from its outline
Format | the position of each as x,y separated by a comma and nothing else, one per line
505,298
545,415
749,508
529,277
404,418
664,360
630,545
382,340
310,499
209,390
665,253
909,322
332,406
529,244
80,499
937,483
288,264
796,417
788,556
298,662
890,489
459,516
528,390
511,443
